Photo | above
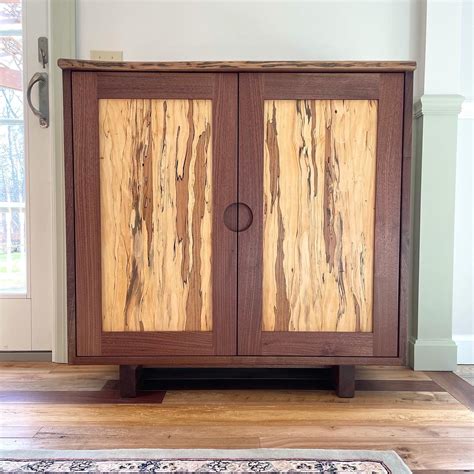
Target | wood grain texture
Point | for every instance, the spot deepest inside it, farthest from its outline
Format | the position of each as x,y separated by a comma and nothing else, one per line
91,340
225,192
143,85
254,89
69,213
156,214
86,214
326,85
129,378
387,215
405,219
141,343
199,348
344,378
235,66
80,397
459,388
319,207
250,192
148,353
323,343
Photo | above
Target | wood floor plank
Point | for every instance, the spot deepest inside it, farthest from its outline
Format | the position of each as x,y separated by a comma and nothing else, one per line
33,367
46,385
146,414
388,373
398,385
86,442
456,386
328,431
426,399
77,397
18,431
54,377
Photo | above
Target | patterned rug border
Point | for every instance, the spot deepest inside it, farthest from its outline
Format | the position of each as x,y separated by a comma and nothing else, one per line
389,458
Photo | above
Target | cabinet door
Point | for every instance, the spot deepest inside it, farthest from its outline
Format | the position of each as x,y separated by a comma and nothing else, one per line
320,168
155,166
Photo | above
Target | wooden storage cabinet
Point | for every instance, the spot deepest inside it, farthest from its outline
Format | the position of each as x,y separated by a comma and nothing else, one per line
237,214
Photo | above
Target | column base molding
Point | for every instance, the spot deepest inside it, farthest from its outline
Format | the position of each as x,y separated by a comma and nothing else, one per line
432,354
438,104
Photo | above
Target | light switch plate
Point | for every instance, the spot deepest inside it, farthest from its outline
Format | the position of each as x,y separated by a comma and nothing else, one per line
106,55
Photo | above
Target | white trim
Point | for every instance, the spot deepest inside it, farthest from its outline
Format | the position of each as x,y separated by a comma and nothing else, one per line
62,36
438,104
40,193
25,356
467,110
465,343
432,354
26,133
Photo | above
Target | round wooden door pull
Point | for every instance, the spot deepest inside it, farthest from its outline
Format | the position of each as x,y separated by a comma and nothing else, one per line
238,217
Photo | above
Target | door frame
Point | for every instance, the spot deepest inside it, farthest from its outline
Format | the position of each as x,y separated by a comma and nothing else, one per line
82,92
388,89
62,44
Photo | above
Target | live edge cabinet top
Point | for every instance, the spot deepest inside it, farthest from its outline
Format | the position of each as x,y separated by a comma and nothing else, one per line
243,66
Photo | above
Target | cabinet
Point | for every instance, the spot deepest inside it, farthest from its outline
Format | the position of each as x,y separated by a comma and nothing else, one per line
237,214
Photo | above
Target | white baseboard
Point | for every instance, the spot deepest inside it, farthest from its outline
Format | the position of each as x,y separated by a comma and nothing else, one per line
432,354
25,356
465,343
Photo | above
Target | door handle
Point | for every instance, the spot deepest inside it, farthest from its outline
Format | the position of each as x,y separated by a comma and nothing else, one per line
40,78
238,217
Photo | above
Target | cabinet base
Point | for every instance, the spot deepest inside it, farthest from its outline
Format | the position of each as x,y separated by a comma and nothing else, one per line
129,379
343,378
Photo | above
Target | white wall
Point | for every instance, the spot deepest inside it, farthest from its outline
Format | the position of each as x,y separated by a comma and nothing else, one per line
257,30
463,283
463,287
443,54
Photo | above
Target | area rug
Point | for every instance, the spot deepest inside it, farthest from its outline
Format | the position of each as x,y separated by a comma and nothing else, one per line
203,460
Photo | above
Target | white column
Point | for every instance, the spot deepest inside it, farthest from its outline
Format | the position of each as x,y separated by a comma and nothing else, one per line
431,346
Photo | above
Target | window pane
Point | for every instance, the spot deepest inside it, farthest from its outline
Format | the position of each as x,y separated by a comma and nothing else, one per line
13,266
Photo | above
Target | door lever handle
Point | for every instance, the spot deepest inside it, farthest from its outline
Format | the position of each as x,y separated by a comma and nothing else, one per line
40,78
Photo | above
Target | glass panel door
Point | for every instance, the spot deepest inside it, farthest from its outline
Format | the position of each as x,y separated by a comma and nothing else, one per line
26,184
13,263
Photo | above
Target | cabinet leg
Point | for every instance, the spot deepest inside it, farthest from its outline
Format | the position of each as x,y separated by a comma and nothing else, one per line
129,378
344,379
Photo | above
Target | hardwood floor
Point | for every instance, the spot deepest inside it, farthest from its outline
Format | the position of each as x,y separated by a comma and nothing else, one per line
424,417
466,372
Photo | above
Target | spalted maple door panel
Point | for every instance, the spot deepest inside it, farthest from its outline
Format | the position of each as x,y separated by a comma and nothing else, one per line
318,214
156,214
320,167
151,244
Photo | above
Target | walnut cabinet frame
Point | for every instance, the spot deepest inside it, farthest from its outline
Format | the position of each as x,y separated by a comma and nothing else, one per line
237,214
